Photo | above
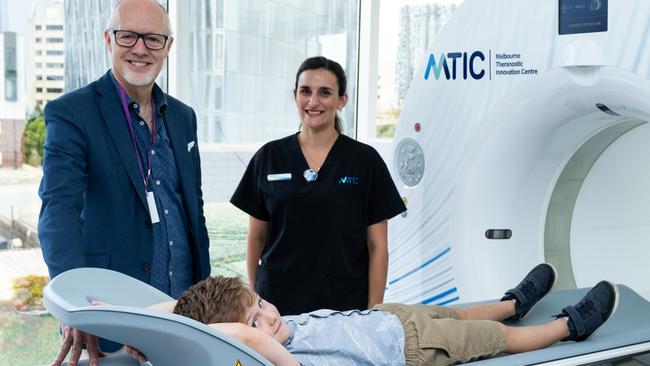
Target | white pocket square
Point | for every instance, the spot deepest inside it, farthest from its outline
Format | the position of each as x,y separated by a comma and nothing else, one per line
190,146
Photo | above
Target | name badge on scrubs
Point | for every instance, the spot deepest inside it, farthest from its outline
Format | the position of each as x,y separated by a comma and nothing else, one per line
278,177
153,211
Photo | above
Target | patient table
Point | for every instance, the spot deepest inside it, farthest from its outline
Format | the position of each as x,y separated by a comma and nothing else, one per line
165,338
171,339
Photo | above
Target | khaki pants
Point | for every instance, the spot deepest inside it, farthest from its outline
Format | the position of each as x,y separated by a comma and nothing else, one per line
434,336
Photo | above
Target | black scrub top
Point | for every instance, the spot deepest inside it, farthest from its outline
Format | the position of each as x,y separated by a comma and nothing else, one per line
316,253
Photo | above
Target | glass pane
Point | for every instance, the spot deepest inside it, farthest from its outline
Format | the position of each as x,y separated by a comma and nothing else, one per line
218,86
10,59
209,49
208,14
406,31
10,90
218,51
239,67
219,13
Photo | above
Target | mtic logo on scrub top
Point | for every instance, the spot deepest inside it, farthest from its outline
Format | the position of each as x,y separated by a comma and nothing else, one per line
456,65
349,180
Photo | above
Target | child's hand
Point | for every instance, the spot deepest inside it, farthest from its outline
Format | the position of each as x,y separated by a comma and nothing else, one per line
135,354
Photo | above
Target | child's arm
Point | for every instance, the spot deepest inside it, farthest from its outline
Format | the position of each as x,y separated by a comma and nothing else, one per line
259,341
167,306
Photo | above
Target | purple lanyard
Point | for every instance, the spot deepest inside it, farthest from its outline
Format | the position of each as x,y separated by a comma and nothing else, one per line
147,178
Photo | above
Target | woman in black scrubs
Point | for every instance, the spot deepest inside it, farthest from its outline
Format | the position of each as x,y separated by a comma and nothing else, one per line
318,202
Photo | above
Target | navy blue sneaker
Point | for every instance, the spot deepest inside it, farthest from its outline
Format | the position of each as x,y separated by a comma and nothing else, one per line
537,283
591,311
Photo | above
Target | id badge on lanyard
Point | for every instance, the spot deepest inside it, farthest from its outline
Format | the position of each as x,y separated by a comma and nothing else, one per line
153,210
151,199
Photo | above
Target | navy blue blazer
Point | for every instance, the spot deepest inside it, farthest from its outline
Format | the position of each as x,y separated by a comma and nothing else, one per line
94,210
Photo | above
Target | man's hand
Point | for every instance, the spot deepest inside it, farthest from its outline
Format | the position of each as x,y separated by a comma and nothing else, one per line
73,342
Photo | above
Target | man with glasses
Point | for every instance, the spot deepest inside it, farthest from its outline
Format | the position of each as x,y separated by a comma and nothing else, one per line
121,184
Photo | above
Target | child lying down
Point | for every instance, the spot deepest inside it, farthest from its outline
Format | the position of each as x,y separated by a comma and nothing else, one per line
392,334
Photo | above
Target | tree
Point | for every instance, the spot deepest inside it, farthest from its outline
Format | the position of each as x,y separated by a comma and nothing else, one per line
33,140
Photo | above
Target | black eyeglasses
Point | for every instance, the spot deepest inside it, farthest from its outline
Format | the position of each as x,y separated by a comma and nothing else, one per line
152,41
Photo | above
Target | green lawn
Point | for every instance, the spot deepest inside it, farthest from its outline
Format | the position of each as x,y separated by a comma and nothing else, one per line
27,340
227,228
34,340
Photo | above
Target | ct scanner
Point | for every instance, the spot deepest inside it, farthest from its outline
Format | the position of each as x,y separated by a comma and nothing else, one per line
524,139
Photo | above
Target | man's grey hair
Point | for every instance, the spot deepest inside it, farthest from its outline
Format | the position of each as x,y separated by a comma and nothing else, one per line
112,21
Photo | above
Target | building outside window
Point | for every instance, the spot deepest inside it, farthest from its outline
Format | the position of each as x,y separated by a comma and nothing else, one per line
12,100
47,64
407,29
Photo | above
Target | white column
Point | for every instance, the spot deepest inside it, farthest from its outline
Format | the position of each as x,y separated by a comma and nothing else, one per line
367,74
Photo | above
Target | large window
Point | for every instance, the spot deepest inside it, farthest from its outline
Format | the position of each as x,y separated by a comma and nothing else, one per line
237,61
236,64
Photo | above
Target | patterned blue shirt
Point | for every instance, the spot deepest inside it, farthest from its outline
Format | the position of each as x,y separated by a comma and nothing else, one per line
171,264
354,337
